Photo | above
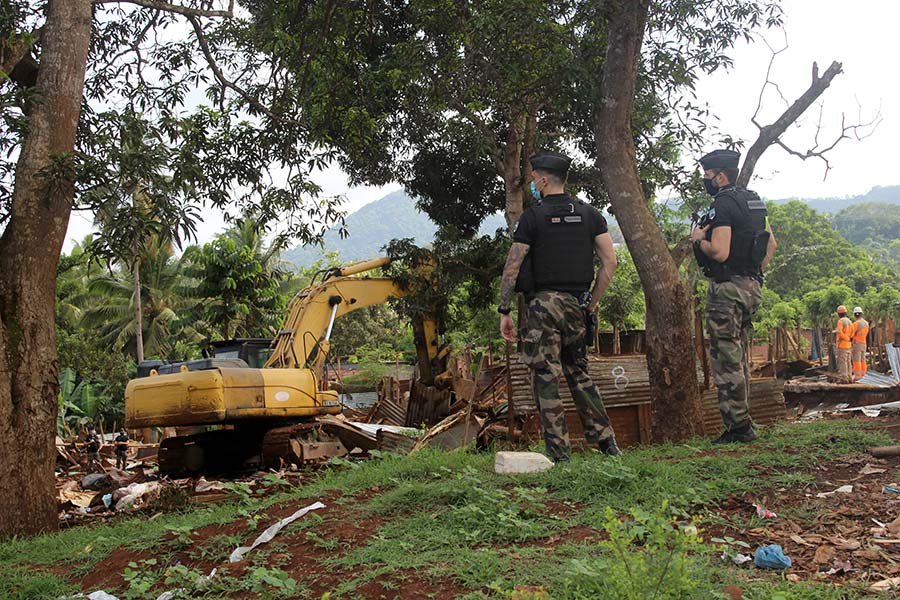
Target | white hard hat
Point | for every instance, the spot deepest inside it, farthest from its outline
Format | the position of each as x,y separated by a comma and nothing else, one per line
858,309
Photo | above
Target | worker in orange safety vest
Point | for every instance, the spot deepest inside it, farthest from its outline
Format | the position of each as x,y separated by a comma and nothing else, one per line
844,335
858,351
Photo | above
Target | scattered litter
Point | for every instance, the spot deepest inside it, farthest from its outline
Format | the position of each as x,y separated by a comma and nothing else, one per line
763,512
101,595
844,489
272,531
870,470
771,557
737,558
95,481
107,500
890,489
208,486
840,566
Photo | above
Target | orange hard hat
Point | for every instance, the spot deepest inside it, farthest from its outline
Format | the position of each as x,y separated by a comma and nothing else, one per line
841,309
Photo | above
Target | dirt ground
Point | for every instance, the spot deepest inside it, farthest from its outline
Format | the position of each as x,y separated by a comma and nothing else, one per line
837,537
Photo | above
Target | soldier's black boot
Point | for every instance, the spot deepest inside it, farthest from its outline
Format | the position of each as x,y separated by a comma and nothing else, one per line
608,446
743,435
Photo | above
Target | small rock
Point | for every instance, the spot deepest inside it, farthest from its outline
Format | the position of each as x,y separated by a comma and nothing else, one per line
521,462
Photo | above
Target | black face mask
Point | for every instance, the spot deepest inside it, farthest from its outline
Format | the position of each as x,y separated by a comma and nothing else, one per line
711,188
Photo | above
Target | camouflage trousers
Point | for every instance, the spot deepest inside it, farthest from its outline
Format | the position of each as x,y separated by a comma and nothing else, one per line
730,307
553,345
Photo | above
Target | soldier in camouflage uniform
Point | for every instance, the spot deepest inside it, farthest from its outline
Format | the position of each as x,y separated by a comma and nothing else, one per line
732,247
559,235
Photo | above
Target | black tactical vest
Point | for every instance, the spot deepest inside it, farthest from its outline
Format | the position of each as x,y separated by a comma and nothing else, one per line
561,257
749,237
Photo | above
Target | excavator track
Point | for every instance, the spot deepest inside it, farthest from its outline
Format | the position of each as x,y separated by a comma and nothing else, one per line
302,443
208,452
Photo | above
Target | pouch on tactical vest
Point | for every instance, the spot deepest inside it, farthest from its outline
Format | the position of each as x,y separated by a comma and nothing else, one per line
749,242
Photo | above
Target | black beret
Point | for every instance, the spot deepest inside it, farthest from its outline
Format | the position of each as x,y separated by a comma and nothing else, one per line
721,159
551,161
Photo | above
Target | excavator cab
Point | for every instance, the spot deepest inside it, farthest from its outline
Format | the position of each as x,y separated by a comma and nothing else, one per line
253,351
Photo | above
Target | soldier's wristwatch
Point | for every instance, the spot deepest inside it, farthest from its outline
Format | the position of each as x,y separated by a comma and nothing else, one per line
502,310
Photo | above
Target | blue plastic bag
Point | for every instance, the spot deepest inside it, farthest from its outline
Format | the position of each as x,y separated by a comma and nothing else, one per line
771,557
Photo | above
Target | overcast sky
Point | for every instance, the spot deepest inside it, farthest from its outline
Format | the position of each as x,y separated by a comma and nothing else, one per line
862,35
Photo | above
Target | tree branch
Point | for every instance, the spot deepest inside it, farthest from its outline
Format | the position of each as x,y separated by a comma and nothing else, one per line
175,8
490,139
220,76
771,134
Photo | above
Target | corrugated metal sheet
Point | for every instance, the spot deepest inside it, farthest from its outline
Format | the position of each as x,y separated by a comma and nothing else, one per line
766,404
878,379
622,380
427,405
893,354
624,385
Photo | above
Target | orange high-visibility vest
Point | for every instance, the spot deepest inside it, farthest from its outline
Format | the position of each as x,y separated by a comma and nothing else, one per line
844,333
860,331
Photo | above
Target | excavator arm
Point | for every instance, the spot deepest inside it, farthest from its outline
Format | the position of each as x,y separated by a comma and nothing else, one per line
303,342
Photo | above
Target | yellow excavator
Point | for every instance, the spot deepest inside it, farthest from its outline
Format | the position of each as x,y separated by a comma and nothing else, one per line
267,415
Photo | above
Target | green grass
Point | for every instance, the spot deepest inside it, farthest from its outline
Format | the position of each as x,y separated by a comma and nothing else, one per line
448,516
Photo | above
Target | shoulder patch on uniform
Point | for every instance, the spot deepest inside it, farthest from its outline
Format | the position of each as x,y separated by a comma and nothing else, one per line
712,213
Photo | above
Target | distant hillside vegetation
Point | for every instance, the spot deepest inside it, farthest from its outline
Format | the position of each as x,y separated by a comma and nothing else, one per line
371,227
869,222
374,225
889,194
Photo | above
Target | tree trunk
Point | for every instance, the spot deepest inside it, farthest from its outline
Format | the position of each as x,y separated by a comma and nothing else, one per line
676,408
29,254
138,310
617,341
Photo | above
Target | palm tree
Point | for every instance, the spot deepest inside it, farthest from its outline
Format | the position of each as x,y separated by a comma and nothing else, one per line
165,291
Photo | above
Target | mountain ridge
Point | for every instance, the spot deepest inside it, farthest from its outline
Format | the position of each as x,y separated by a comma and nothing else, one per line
395,216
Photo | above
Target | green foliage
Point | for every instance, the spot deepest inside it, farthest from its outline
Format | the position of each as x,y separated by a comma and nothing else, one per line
623,305
238,280
165,304
79,404
869,223
372,334
812,254
645,558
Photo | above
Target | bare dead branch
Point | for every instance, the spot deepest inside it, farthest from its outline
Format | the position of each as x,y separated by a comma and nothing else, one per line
770,134
175,8
769,81
858,132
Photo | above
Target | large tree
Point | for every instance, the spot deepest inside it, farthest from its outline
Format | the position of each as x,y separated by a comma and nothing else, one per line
74,69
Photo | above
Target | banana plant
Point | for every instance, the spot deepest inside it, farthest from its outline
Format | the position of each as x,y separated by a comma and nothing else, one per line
78,403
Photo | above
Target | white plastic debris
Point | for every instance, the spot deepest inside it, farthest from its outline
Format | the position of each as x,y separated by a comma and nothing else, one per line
272,531
101,595
521,462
